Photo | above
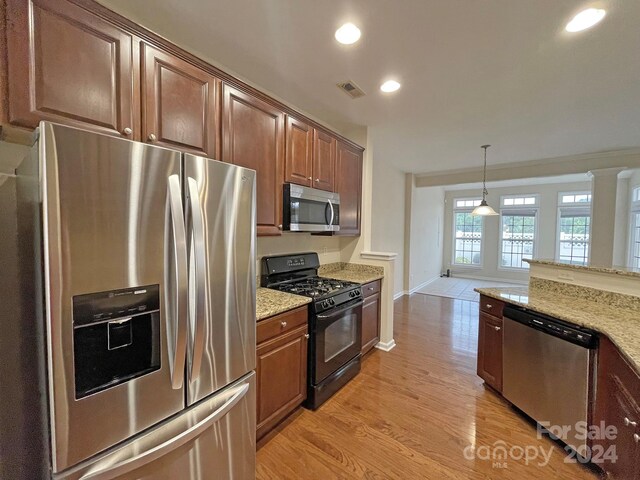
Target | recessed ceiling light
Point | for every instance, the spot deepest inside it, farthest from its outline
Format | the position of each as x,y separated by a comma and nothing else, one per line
585,19
389,86
348,34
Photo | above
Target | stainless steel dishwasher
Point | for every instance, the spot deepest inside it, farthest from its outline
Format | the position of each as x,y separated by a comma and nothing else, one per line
548,366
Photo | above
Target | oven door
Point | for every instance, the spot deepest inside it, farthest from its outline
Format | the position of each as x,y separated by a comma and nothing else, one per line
337,339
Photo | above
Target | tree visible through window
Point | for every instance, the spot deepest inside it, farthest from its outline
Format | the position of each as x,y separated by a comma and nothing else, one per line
518,230
467,234
573,228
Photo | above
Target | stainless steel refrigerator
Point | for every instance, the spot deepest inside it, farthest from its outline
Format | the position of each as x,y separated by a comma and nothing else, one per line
141,337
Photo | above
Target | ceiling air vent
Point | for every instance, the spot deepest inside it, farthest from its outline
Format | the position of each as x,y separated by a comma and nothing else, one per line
351,89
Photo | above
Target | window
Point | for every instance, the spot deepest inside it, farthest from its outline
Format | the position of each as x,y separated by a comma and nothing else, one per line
574,222
518,230
467,230
634,246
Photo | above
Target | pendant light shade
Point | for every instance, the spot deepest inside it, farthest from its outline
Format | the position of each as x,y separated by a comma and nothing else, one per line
484,209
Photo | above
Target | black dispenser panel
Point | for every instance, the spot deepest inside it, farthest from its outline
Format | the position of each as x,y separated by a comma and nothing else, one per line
116,337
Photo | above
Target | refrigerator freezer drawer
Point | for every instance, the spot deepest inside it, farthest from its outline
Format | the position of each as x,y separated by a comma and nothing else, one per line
214,440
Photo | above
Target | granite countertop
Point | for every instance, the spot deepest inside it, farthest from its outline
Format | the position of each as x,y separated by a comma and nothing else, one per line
620,323
625,271
351,272
272,302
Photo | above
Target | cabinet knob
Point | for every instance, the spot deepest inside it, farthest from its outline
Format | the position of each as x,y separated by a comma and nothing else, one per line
628,422
310,178
283,324
306,335
279,227
152,137
370,288
489,305
317,180
497,329
127,131
636,437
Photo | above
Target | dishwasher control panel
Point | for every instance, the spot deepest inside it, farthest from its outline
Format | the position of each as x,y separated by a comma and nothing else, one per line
559,328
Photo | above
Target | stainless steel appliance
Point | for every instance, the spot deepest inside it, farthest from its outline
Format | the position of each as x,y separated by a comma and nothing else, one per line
335,321
148,281
310,210
548,367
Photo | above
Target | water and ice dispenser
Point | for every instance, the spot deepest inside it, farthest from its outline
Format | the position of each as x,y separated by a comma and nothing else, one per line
116,337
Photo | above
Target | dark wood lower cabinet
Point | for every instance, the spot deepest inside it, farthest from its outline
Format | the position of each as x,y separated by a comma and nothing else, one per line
490,350
281,367
616,407
370,316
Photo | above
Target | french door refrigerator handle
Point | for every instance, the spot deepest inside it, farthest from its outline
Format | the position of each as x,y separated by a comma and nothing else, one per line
200,264
170,445
177,284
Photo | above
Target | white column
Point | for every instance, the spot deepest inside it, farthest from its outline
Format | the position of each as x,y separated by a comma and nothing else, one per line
604,187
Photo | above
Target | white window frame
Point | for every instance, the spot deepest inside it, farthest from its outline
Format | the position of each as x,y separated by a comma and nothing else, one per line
456,210
569,206
634,230
513,210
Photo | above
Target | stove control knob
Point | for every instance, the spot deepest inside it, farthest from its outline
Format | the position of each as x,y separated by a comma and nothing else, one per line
324,304
332,301
358,293
352,293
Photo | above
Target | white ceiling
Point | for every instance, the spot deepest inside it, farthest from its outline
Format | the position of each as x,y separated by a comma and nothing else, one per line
502,72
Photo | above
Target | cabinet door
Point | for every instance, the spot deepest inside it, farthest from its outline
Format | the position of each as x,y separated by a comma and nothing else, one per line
281,370
324,160
68,66
370,322
490,350
181,107
253,137
298,161
618,389
348,183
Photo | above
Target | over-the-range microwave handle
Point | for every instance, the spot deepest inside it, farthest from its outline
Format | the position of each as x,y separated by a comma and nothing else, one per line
198,309
176,281
333,214
170,445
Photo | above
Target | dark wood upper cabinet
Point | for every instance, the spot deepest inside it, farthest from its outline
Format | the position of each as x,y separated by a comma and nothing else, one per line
180,102
348,183
253,137
69,66
298,159
324,160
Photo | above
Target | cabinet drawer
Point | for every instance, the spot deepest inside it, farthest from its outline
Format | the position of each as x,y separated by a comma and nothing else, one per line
371,288
491,306
285,322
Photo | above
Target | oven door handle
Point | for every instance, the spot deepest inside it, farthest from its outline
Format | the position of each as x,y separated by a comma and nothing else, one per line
347,306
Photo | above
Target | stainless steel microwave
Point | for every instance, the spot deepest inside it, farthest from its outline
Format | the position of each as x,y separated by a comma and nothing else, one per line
310,210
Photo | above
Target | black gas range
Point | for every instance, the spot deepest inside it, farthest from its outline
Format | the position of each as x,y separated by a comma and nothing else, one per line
335,321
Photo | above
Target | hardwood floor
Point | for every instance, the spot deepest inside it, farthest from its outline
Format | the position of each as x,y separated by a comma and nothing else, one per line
411,413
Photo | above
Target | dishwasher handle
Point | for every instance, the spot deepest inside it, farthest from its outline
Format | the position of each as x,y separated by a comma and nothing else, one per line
572,333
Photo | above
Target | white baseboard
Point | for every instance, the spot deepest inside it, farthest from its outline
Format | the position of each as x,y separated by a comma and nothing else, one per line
422,285
491,279
399,294
385,347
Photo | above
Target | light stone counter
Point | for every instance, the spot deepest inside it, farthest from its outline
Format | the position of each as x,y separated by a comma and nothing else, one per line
351,272
272,302
614,315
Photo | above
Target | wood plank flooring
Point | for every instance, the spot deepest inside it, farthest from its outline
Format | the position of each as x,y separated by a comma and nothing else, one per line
411,413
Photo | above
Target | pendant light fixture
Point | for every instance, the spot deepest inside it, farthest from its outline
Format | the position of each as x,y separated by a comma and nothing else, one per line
484,209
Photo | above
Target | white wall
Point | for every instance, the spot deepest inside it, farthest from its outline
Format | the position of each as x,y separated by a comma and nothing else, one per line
388,215
545,246
423,249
